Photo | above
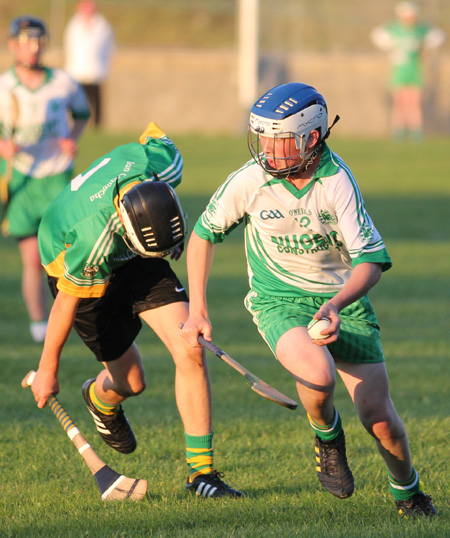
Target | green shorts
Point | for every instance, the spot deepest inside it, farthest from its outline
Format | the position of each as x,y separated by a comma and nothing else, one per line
29,198
408,75
359,335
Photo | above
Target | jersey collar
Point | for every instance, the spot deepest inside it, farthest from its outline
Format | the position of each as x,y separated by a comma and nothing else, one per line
327,167
48,75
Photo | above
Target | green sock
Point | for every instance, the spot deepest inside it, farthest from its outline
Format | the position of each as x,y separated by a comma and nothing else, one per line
106,409
403,491
417,135
398,134
331,431
199,454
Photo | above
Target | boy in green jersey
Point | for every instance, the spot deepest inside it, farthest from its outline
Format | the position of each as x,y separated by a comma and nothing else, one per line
312,252
102,242
406,39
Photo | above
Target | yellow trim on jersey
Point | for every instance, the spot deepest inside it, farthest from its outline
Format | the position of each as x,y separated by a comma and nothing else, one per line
151,131
56,267
122,193
94,291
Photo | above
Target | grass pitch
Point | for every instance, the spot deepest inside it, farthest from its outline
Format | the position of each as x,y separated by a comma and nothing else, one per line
265,450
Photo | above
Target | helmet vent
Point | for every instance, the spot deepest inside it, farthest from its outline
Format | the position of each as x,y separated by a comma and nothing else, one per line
263,100
287,105
177,227
149,236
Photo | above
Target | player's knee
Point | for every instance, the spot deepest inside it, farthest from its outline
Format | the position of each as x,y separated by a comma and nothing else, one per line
191,360
319,386
131,388
386,430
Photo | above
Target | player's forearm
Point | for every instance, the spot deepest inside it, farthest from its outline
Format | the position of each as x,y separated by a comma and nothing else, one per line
59,325
362,280
77,129
200,255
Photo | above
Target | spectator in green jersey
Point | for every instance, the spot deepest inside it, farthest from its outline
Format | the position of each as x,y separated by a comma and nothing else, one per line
406,39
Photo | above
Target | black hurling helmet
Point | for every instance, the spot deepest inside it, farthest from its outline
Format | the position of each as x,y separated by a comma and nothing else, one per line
153,219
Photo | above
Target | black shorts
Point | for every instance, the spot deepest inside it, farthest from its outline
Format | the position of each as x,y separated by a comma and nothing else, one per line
109,325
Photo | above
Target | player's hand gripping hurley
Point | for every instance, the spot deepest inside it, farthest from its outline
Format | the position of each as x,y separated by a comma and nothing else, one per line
257,384
112,485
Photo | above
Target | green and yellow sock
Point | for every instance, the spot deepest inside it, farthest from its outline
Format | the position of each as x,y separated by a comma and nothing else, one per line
403,491
199,454
331,431
106,409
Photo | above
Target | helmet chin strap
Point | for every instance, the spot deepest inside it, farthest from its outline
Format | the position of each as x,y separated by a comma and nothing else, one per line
313,155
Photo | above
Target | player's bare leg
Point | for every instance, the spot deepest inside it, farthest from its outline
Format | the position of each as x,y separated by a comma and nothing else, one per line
398,114
120,379
313,369
33,288
192,387
193,395
414,113
368,387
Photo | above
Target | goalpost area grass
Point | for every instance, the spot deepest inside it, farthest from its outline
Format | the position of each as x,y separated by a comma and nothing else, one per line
265,450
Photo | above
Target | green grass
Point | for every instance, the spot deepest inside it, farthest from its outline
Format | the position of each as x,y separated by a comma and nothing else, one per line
266,450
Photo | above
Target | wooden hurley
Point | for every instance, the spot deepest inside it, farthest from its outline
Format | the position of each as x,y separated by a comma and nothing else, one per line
112,485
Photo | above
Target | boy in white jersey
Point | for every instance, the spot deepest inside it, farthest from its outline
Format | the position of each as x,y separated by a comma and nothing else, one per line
38,144
312,252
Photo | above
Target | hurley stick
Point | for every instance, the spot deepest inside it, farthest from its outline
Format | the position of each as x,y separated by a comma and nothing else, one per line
257,384
7,175
113,486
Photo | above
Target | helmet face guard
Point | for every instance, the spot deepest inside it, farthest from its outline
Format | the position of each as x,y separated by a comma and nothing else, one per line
153,219
289,111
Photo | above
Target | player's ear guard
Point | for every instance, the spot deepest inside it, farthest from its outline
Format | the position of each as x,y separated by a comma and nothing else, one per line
153,219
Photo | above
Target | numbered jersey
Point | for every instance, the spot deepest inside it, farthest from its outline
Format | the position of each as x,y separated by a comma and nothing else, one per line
38,118
298,242
80,236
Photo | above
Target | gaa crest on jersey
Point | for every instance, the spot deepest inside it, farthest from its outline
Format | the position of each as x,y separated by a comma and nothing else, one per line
90,271
326,217
366,232
212,207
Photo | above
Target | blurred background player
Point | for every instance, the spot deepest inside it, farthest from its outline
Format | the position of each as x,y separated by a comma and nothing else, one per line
406,39
102,242
88,47
42,114
312,252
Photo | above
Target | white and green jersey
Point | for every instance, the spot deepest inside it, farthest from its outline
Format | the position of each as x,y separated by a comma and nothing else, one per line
298,242
80,236
42,118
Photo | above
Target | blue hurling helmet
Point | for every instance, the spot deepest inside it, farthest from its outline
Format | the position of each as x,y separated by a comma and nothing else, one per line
288,111
31,26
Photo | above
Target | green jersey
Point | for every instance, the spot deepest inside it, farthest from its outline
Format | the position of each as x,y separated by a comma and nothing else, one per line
405,45
298,242
81,236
